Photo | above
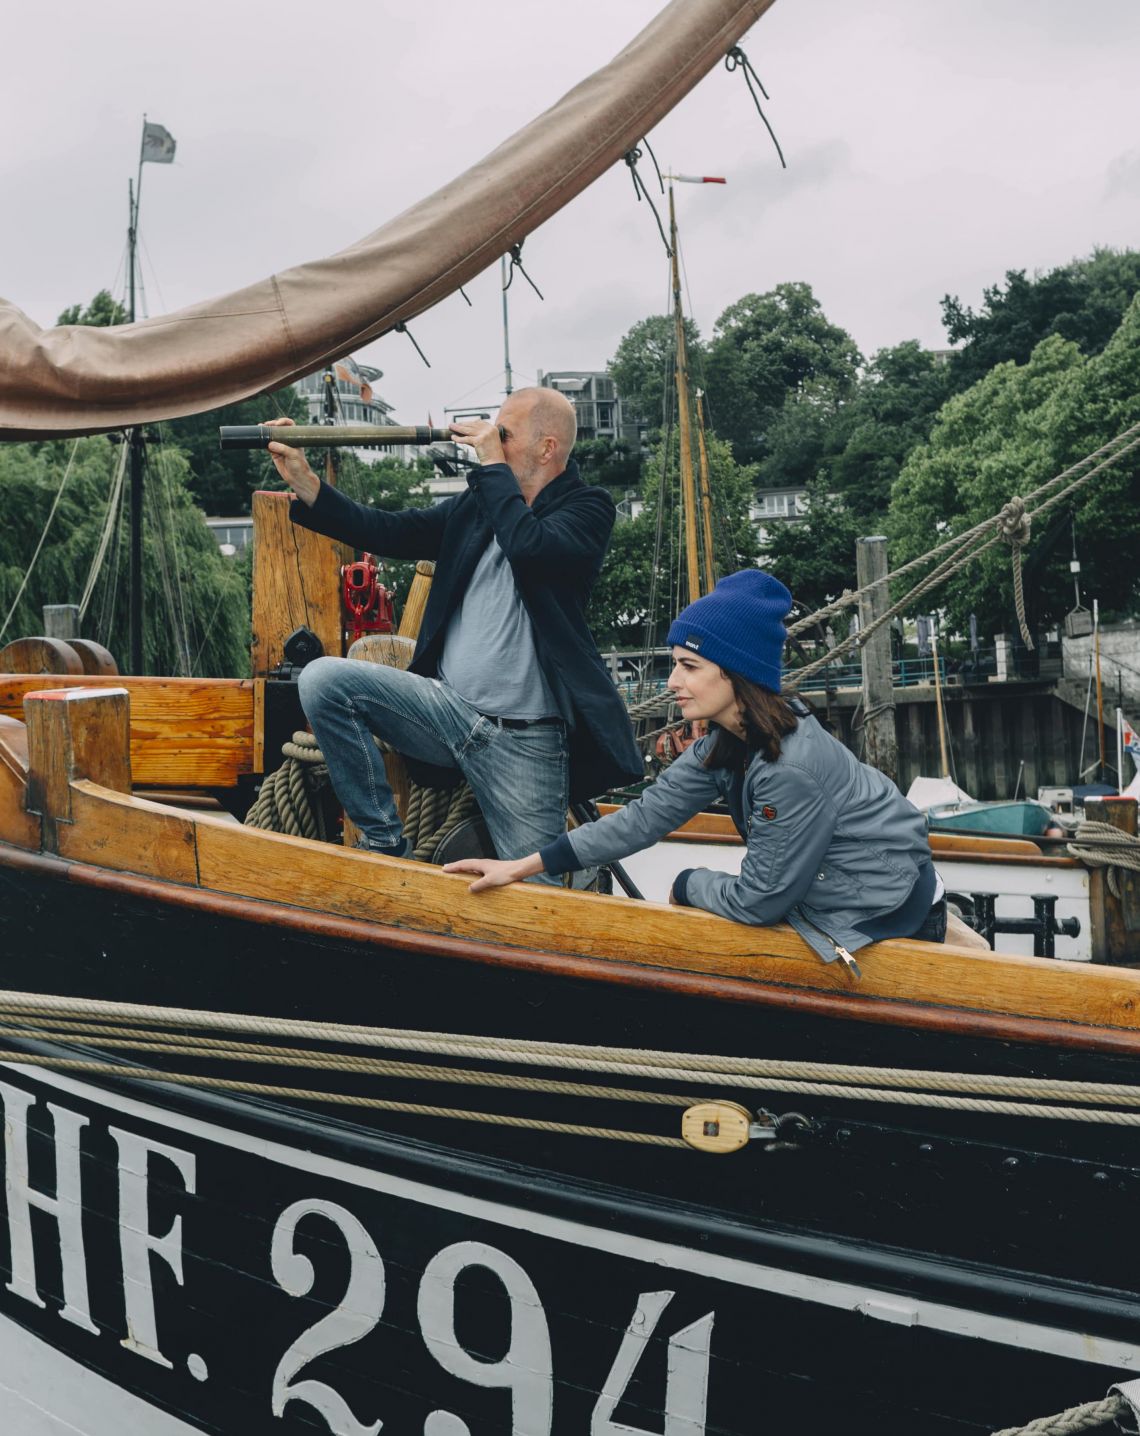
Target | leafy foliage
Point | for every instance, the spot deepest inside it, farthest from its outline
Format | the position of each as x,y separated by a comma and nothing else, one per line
196,612
1009,433
766,348
624,612
644,364
102,311
223,483
1082,301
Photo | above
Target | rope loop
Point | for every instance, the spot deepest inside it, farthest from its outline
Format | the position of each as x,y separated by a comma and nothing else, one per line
1014,523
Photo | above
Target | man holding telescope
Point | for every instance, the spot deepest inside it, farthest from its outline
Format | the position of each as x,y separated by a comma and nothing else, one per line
506,684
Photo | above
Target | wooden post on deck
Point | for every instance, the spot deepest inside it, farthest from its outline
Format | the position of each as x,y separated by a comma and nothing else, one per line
74,733
61,620
882,750
1115,921
296,583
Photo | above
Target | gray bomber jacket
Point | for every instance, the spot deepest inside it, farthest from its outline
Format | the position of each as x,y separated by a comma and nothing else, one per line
830,841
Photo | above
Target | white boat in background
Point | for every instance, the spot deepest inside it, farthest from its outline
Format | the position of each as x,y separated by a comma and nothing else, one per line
1013,870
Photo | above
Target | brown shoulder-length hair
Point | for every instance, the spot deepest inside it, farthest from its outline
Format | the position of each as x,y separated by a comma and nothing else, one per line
767,718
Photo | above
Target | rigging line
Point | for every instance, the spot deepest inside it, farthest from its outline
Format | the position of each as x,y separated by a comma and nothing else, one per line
656,166
516,263
402,328
631,158
153,271
111,584
43,537
110,518
153,503
181,567
1109,453
737,58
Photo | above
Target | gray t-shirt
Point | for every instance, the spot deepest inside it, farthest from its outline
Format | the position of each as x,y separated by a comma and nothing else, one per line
488,653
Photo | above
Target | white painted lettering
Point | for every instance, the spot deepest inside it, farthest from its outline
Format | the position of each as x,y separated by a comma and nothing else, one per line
66,1206
527,1369
687,1378
137,1241
357,1314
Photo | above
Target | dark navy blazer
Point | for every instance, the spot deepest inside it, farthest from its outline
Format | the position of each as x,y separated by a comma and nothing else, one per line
555,548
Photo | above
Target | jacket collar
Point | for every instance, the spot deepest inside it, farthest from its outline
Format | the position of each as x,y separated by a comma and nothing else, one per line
566,481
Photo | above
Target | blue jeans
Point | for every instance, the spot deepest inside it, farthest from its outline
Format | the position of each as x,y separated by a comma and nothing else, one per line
519,775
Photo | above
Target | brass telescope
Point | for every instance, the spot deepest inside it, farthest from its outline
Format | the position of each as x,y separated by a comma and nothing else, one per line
327,436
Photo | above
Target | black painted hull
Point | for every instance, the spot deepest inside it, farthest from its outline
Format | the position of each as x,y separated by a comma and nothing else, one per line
889,1270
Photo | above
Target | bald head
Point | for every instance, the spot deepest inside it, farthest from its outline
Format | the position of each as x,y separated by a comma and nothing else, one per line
543,414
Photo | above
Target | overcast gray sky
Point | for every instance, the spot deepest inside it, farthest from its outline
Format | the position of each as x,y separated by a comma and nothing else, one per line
930,146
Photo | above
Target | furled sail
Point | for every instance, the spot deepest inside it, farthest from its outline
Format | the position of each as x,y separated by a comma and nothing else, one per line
76,379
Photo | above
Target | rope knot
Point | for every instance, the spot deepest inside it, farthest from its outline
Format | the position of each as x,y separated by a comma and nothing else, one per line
1013,523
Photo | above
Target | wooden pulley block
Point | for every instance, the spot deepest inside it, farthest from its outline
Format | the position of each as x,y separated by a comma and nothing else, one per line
97,660
716,1127
40,655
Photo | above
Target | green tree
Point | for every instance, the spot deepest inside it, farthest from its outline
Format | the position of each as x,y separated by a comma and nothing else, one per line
1009,433
1082,301
815,556
102,311
196,612
644,365
765,348
223,483
621,613
612,462
894,405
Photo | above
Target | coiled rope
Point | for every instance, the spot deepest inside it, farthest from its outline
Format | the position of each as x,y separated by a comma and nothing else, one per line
295,798
1100,845
291,800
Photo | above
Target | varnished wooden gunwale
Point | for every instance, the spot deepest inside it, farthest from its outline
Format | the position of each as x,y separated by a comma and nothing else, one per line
834,1006
109,827
185,732
126,834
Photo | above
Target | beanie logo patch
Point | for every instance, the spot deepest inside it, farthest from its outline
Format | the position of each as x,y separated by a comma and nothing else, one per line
694,642
767,811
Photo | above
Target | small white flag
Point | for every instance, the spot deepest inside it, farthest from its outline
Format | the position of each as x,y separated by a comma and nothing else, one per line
157,144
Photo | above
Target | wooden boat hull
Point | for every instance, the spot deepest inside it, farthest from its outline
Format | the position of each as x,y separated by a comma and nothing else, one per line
847,1266
336,1277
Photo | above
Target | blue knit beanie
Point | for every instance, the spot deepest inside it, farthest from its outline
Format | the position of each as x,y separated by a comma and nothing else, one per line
740,626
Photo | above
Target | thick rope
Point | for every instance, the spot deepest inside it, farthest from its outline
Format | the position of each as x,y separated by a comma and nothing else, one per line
824,1080
1100,845
290,799
1110,452
1074,1420
343,1099
1007,526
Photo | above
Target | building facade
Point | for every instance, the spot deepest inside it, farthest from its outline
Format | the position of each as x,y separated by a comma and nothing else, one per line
597,404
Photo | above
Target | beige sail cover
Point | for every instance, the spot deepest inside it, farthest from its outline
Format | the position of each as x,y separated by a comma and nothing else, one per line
77,379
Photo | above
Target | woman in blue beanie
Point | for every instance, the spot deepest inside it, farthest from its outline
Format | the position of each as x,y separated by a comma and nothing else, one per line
832,846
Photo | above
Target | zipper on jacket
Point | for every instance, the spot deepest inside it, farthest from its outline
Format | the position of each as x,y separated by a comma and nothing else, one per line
840,951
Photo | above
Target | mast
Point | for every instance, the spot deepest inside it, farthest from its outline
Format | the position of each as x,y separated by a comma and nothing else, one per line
136,442
688,488
506,327
706,496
